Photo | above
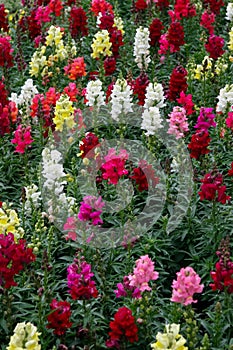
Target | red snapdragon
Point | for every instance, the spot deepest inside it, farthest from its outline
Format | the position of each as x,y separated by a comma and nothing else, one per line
59,319
212,188
214,46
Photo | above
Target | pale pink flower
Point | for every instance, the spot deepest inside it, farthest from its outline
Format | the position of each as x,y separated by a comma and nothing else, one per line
178,122
187,283
143,273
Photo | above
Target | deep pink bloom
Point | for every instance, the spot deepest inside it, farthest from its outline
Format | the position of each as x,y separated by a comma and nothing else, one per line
43,14
185,286
22,138
70,226
229,120
114,167
186,102
205,119
178,122
6,58
207,19
80,283
91,209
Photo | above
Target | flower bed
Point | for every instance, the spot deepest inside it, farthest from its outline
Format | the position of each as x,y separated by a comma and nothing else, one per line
116,167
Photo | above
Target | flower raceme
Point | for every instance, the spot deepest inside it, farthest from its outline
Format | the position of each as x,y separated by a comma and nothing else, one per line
178,122
114,166
76,68
59,318
64,113
123,327
25,337
101,45
22,138
170,339
185,286
80,283
137,282
91,209
13,257
212,188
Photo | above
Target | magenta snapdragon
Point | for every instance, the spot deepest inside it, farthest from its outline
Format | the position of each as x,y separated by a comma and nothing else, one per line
178,122
22,138
205,119
114,167
91,209
186,284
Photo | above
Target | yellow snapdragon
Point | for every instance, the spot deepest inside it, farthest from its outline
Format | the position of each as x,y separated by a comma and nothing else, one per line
25,337
230,43
9,222
101,44
64,113
170,339
221,65
38,62
119,24
203,69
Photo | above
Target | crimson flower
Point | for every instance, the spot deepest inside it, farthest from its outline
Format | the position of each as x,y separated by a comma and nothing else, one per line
59,319
13,257
123,327
214,46
177,83
212,188
3,18
143,174
109,65
116,39
139,86
100,6
106,21
230,172
214,5
186,102
88,145
207,19
223,276
78,22
199,144
140,5
6,58
175,36
156,28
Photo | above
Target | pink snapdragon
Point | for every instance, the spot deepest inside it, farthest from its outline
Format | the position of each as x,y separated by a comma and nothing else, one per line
186,102
22,138
80,283
91,209
178,122
43,14
205,119
114,167
143,273
187,283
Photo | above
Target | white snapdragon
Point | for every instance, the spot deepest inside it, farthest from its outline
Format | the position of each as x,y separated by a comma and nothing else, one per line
229,11
94,93
141,47
151,120
54,179
121,98
225,99
28,91
32,198
154,96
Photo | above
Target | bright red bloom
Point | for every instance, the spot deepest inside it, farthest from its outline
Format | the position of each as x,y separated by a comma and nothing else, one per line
80,283
13,257
6,58
177,83
140,5
186,102
123,326
182,8
78,22
223,276
199,144
56,7
212,188
109,65
102,6
155,29
214,46
230,172
109,91
59,319
175,36
214,5
88,145
162,4
139,86
3,18
207,19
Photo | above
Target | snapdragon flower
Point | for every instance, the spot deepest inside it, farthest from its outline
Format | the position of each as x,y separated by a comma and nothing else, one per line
121,98
25,337
141,47
95,94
